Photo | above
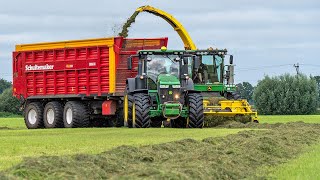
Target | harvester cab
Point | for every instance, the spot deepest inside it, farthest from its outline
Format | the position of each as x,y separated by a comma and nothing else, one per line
215,80
162,92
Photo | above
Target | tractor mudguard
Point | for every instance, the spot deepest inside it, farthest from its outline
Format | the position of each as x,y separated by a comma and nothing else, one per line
189,85
131,85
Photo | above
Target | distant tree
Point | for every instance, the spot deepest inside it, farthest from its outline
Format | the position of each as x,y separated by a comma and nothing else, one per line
317,78
286,94
245,90
4,84
8,103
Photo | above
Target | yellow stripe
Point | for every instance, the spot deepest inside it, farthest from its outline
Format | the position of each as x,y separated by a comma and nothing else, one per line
66,44
112,70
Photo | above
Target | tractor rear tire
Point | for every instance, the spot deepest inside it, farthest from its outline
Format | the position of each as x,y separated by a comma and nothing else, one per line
141,107
196,116
53,115
75,115
33,116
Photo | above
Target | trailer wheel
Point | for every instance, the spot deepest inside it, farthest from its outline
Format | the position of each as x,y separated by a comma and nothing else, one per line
141,109
75,115
53,115
33,116
196,117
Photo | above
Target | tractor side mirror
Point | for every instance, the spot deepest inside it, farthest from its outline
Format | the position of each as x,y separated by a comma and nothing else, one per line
231,59
129,63
196,62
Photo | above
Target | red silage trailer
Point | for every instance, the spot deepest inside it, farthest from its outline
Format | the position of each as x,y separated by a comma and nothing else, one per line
74,83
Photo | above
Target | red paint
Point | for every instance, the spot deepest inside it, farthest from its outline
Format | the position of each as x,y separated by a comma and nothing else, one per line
109,107
76,71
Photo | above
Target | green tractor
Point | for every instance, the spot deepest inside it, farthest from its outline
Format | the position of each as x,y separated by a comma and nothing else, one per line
162,92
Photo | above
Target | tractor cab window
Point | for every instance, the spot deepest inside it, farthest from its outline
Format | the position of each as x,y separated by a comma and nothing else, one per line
162,64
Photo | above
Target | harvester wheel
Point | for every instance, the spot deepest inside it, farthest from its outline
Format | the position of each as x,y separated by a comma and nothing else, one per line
196,116
53,115
141,109
33,116
75,114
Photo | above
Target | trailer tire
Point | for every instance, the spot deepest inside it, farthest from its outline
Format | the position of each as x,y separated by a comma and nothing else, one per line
196,116
75,115
33,116
141,109
53,115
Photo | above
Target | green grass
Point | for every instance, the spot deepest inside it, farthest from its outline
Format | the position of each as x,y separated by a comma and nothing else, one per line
20,142
12,123
306,166
289,118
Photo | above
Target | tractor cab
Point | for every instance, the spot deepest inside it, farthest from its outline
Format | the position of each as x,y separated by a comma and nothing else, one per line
210,74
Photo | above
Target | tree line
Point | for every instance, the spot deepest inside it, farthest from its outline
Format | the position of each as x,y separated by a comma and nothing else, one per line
8,103
283,95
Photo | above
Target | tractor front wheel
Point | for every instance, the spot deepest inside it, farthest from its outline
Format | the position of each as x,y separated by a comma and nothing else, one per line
140,111
196,116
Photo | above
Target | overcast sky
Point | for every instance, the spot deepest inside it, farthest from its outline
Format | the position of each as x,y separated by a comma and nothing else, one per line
265,37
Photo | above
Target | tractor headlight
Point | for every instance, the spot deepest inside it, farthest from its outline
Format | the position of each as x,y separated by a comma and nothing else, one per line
177,96
141,77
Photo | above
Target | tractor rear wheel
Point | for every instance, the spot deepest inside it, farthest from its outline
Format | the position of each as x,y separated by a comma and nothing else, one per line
141,109
75,115
53,115
196,116
33,116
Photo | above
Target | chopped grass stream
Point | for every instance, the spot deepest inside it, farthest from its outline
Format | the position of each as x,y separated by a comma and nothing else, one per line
234,156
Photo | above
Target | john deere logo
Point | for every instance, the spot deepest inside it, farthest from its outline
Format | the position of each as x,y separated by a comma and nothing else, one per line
209,88
170,92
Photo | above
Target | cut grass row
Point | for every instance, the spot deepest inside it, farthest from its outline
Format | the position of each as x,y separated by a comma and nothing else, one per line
20,142
17,144
236,156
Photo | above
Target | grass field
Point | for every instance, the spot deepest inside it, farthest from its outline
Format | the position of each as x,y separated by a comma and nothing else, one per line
306,166
18,142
